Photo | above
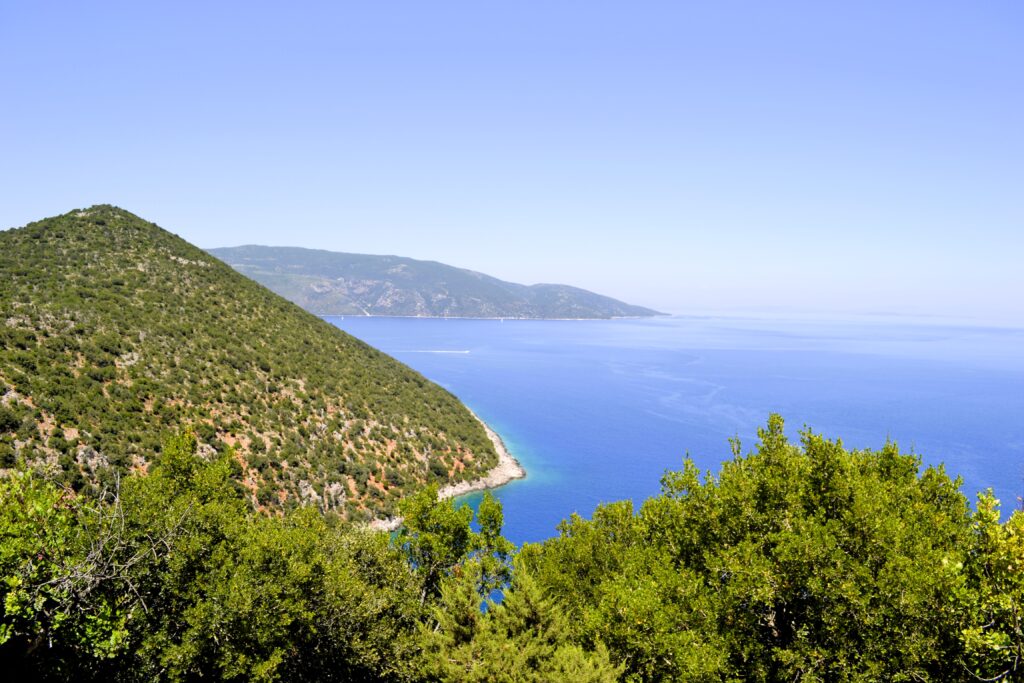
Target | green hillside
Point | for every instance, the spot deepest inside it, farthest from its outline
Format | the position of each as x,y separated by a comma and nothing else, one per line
331,283
114,332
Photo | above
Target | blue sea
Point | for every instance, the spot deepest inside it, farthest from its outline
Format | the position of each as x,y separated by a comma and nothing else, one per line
596,411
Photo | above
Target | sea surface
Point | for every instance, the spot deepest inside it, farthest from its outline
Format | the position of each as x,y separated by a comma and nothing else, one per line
596,411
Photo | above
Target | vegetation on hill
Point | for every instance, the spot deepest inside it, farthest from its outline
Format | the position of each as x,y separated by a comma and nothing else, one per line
803,562
115,332
331,283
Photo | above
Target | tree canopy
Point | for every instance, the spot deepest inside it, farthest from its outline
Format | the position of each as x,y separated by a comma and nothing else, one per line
798,561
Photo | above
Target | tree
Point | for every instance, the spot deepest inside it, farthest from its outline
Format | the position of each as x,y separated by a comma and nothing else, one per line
438,539
804,562
524,638
53,619
994,638
172,577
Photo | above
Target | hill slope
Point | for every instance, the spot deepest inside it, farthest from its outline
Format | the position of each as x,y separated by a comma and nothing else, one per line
332,283
114,332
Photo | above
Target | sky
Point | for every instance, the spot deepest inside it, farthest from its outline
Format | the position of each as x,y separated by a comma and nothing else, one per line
808,157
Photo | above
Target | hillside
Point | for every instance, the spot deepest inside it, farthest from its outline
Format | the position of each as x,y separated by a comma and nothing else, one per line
332,283
114,333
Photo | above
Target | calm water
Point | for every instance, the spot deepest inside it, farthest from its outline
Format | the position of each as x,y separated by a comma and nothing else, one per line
597,410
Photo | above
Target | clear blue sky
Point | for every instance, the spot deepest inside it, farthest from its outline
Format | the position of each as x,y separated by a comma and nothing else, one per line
818,156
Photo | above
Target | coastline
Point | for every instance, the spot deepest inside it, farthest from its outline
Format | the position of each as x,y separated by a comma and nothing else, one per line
508,469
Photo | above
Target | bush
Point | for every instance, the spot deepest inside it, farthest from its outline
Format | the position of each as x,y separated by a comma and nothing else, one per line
9,420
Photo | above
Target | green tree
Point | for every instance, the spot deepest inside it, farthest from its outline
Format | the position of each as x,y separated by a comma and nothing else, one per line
438,539
806,562
174,578
56,618
249,597
803,562
525,638
994,637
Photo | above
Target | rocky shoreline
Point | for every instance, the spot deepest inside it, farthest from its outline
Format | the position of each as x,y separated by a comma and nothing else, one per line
508,469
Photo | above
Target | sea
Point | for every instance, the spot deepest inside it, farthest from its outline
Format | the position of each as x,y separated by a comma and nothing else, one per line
597,410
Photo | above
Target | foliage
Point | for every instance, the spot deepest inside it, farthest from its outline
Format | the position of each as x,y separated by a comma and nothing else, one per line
179,579
49,572
439,541
115,333
470,637
994,637
805,562
524,638
173,577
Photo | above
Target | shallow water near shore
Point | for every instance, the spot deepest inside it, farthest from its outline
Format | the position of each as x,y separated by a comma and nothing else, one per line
596,411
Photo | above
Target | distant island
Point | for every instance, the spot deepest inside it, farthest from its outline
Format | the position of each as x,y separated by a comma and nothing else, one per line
334,283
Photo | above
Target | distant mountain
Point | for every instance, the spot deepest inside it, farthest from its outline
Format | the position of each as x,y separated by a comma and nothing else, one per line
333,283
114,333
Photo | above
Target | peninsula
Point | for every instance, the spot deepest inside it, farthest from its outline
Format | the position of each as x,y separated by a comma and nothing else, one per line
333,283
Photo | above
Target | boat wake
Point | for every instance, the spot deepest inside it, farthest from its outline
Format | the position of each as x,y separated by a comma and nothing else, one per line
434,351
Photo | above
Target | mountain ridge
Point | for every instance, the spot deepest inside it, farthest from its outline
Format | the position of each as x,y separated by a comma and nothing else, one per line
117,332
341,283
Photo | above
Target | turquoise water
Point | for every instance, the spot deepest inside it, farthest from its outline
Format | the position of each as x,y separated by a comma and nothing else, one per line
597,410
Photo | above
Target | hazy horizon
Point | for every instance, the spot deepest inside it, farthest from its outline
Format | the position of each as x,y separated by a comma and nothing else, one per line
739,311
792,157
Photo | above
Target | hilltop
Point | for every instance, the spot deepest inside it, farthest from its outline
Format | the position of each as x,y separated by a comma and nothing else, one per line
333,283
116,333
